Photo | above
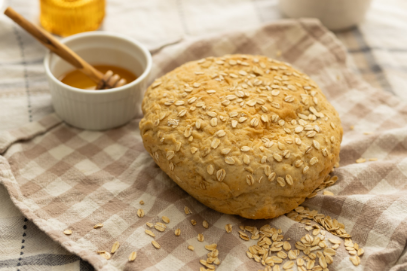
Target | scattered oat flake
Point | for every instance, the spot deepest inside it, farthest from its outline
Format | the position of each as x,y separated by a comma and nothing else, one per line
228,228
187,210
334,241
205,224
373,159
282,254
156,84
292,255
191,248
288,265
177,232
160,226
310,264
150,233
132,256
316,232
200,237
205,263
149,224
67,232
276,259
329,251
361,160
141,202
244,236
98,226
211,247
140,213
328,193
155,244
193,222
105,254
335,246
115,247
165,219
355,260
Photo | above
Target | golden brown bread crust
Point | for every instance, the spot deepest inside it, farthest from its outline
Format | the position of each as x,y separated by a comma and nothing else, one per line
242,134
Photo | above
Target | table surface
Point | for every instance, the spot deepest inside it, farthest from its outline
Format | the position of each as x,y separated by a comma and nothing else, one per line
377,49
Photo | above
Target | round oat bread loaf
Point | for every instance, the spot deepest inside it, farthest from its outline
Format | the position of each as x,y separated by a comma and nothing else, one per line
242,134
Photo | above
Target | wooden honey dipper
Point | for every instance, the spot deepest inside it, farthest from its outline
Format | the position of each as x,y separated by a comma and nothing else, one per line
104,81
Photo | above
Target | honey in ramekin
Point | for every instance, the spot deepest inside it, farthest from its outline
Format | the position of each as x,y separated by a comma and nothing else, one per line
77,79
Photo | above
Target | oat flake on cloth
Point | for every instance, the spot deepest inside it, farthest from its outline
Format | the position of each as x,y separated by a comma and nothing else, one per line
62,178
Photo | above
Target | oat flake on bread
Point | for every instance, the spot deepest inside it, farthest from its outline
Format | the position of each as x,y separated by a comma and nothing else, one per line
243,134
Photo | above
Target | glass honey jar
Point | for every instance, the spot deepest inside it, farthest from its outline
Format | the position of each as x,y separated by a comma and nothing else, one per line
68,17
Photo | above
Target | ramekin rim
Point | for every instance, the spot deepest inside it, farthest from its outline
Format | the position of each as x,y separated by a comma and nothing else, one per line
139,79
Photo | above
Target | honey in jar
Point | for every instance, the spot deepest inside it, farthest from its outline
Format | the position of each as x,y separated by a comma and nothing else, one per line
68,17
77,79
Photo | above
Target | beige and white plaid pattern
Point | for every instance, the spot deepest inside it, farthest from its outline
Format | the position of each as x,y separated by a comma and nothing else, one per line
72,179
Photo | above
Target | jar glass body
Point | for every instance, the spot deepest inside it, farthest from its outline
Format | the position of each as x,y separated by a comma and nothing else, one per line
68,17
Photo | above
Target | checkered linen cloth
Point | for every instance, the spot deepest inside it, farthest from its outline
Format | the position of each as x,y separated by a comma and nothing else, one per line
64,178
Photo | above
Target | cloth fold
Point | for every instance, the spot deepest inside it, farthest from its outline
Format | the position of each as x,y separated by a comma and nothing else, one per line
65,178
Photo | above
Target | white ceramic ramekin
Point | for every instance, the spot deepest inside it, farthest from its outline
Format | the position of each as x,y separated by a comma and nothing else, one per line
99,109
334,14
